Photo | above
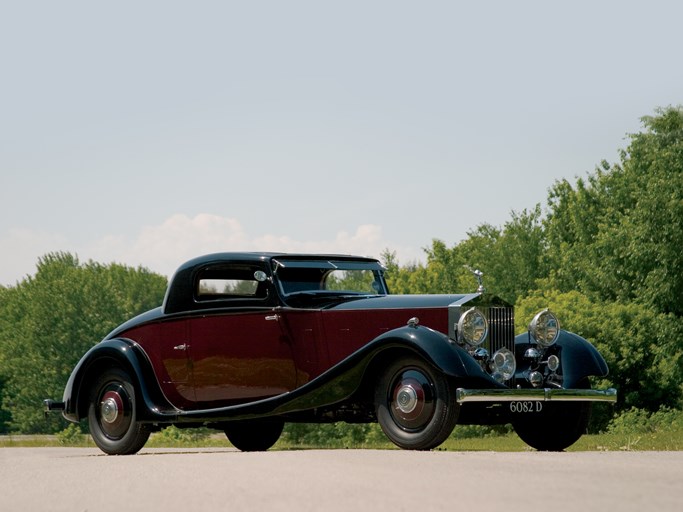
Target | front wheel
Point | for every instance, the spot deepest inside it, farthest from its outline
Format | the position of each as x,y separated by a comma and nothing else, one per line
415,405
112,415
254,435
557,427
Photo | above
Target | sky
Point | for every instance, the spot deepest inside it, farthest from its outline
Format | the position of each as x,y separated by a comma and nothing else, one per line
151,132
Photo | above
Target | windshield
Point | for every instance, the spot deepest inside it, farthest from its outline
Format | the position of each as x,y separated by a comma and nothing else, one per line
330,278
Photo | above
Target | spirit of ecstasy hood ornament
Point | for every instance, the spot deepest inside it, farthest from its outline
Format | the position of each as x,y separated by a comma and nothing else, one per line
479,275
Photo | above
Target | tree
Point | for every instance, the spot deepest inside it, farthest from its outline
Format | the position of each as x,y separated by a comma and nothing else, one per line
48,321
641,347
511,258
606,254
4,415
617,235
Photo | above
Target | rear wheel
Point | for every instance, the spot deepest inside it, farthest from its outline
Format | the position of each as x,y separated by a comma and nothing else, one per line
254,435
557,427
415,405
112,415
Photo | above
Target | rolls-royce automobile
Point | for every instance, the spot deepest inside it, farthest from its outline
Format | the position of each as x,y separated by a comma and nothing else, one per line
245,342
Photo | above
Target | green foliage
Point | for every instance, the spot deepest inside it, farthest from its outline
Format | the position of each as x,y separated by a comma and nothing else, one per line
71,436
174,436
512,259
48,321
480,431
606,257
617,235
637,429
639,421
333,435
642,347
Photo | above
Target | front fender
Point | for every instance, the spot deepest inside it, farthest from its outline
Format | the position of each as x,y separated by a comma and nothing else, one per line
579,359
437,349
107,354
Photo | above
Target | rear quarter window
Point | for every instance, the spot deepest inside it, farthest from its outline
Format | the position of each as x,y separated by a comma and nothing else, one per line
230,282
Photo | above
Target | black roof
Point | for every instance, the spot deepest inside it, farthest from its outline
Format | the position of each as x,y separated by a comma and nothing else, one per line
180,288
265,256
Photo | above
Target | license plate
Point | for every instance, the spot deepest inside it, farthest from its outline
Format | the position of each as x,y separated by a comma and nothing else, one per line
526,407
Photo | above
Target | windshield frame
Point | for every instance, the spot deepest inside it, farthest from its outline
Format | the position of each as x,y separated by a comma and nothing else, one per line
309,276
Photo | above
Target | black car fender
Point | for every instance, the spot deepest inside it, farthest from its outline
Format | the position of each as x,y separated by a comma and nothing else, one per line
117,352
435,348
578,357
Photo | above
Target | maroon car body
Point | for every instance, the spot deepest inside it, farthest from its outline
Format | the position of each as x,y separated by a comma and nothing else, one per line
245,342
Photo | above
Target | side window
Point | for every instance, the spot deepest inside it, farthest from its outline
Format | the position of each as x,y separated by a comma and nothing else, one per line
231,282
240,287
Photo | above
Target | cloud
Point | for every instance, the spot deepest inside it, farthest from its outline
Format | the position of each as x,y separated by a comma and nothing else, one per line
163,247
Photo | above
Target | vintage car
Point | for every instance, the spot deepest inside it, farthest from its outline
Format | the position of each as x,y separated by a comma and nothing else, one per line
245,342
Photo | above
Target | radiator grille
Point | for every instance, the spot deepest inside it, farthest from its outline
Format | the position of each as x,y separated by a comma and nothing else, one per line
501,330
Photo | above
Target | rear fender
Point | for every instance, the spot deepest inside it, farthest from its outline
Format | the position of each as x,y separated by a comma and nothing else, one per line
117,352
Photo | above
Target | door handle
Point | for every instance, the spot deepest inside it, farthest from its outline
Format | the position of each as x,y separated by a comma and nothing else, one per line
273,317
184,346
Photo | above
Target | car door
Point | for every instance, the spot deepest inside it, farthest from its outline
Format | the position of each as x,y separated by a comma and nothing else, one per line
240,357
238,351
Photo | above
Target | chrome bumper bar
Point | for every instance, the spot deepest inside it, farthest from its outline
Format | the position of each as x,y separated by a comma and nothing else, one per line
535,395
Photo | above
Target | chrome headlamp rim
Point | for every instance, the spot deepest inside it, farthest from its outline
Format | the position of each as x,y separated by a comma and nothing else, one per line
503,365
473,328
545,328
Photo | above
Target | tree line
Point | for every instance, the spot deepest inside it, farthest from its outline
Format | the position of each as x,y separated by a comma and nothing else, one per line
49,320
604,252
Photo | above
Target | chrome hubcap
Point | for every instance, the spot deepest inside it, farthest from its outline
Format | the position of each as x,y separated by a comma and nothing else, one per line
412,399
109,410
406,399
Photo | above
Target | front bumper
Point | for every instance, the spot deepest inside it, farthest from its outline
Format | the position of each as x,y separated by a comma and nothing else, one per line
463,396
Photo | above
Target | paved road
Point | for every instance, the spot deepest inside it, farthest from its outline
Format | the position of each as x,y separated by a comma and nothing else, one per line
83,479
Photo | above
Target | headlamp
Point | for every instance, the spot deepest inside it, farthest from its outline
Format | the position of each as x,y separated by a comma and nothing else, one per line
473,327
545,328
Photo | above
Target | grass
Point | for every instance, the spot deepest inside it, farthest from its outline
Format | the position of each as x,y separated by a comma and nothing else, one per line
499,443
633,430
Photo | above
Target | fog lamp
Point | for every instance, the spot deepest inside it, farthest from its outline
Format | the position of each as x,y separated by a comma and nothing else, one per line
503,365
536,379
553,363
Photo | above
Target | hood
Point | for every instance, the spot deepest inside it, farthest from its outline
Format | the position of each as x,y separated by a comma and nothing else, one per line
400,302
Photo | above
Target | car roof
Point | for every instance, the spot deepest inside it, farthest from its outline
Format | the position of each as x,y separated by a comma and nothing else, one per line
266,256
180,289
